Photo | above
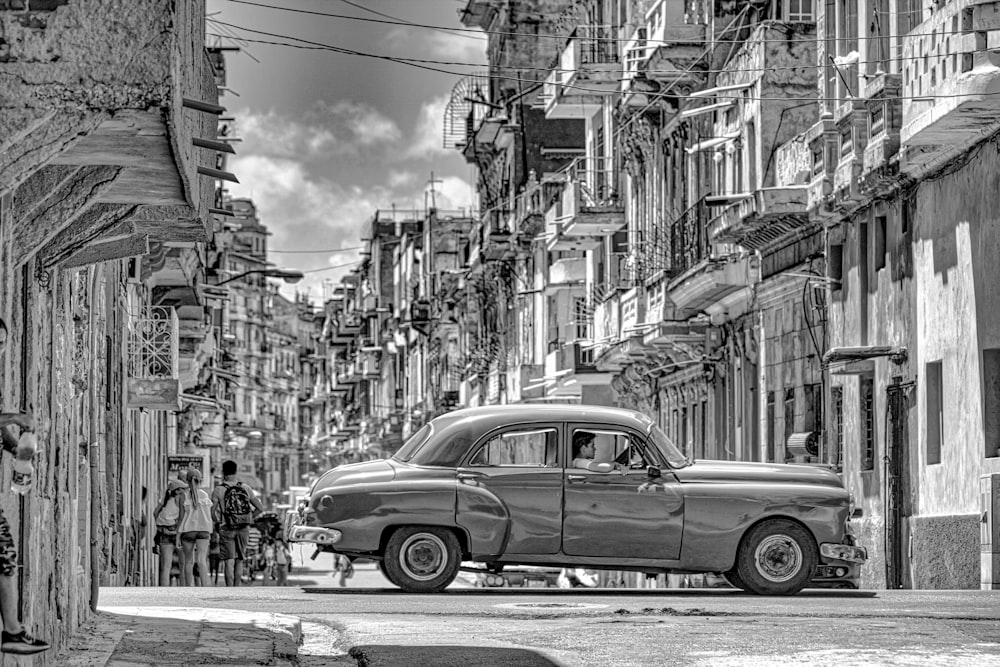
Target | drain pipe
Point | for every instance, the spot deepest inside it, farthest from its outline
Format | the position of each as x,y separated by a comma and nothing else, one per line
94,450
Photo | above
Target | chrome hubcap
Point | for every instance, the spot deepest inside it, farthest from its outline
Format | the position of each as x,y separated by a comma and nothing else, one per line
423,556
778,558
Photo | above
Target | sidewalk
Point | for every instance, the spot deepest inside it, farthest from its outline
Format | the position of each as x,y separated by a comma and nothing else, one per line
166,636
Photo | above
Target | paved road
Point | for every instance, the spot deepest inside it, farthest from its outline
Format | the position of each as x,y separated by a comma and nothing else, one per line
466,625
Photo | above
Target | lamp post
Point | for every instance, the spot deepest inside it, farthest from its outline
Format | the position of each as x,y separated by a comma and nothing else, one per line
290,276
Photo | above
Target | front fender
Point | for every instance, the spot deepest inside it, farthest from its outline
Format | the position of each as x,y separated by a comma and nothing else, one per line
715,521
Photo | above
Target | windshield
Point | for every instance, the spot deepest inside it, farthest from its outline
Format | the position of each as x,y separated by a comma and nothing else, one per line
674,456
413,444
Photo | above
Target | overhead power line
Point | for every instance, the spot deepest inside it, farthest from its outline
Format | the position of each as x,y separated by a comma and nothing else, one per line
317,252
596,91
502,33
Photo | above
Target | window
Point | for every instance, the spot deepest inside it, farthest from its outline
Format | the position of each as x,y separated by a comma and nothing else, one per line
615,446
991,401
863,264
799,11
880,230
867,424
846,140
837,440
935,411
535,448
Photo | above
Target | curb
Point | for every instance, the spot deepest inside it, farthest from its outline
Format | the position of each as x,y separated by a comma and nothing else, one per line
96,641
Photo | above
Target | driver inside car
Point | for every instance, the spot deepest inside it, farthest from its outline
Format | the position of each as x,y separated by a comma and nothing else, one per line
584,449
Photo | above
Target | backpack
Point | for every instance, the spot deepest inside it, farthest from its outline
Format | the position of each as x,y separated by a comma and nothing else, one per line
237,509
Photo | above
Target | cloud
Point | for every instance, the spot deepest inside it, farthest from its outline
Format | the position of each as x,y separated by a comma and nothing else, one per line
401,179
428,135
461,47
342,129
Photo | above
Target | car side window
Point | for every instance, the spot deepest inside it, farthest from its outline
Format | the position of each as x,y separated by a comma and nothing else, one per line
614,446
530,448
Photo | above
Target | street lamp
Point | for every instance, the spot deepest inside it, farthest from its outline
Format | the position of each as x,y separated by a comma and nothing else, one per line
290,276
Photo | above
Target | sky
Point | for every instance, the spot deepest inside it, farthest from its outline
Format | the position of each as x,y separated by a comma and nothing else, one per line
329,138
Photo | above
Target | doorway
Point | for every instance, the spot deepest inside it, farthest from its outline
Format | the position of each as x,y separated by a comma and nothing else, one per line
897,485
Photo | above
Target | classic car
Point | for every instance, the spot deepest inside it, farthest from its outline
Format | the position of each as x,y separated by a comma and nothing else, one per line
497,485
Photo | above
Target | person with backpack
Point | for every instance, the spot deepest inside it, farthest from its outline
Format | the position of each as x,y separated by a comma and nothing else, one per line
234,507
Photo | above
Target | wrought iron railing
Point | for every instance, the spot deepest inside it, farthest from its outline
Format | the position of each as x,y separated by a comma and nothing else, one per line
689,238
152,343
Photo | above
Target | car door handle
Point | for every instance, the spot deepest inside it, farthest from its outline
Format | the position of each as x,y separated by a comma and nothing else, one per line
576,478
470,476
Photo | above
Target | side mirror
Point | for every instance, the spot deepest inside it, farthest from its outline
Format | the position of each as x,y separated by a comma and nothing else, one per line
653,472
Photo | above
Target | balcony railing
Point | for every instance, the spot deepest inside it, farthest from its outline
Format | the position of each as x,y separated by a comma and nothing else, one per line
666,47
589,68
689,238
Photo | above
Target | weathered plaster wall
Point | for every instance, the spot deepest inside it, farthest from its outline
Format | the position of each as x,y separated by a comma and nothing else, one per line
945,551
956,243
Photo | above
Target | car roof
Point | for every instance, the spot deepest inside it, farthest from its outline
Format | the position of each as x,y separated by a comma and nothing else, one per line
515,412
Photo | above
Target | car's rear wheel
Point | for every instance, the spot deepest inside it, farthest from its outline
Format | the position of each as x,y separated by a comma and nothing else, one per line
733,577
776,557
422,559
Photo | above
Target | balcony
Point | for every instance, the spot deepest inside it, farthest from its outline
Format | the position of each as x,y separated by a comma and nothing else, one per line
821,142
666,48
851,140
879,168
951,82
349,325
712,281
495,238
567,273
689,239
633,310
762,218
589,69
368,364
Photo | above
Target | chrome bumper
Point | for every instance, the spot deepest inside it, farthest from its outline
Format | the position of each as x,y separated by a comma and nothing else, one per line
844,552
296,532
314,534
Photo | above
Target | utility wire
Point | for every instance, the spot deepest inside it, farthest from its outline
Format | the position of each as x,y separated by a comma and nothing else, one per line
788,68
597,91
502,33
396,18
317,252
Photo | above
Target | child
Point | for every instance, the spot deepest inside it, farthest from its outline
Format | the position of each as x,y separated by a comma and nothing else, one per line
282,559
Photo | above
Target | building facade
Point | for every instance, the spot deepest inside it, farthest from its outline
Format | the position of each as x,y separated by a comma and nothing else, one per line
104,217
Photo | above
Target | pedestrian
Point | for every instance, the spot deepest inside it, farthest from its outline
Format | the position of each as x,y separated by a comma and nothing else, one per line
253,558
282,559
213,556
14,638
269,561
196,529
167,516
234,506
342,565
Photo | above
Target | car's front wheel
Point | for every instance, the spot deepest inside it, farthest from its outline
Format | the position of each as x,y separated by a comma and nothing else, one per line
422,559
777,557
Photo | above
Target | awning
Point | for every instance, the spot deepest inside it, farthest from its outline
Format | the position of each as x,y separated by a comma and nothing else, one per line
861,353
712,143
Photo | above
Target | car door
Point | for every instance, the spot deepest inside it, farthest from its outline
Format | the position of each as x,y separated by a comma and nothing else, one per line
623,513
510,491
